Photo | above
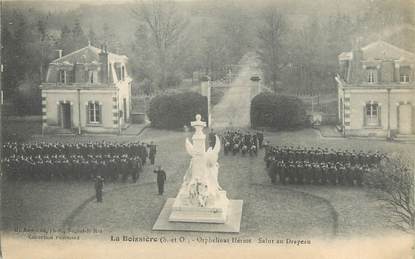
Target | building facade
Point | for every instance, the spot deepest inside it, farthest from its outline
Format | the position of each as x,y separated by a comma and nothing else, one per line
87,90
376,91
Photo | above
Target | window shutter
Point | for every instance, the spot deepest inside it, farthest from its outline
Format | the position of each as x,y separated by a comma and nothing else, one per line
379,115
378,76
87,114
364,115
100,113
72,118
59,109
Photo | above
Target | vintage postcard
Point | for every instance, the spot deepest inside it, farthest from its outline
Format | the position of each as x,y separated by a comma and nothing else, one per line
207,129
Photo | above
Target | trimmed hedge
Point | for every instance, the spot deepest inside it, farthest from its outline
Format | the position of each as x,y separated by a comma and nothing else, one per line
277,111
173,111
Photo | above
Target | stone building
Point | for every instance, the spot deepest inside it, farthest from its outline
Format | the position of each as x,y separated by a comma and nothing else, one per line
87,90
376,91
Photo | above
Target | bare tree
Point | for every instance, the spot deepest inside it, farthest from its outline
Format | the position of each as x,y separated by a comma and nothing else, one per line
165,26
270,45
395,178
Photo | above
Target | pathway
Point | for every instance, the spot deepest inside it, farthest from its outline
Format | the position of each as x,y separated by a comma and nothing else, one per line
234,108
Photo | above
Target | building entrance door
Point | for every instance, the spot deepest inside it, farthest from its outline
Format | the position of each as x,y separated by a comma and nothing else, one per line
405,119
66,115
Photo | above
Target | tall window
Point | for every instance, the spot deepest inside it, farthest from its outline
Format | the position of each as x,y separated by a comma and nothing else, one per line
122,73
62,76
118,72
371,75
92,76
372,114
94,112
404,74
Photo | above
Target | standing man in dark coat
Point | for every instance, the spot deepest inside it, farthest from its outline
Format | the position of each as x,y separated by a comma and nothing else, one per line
144,154
99,185
260,136
161,178
212,138
135,167
152,153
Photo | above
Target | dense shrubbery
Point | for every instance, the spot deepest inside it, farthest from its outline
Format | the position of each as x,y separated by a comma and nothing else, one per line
277,111
173,111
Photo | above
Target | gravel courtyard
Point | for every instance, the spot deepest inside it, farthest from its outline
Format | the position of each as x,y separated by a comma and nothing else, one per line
269,210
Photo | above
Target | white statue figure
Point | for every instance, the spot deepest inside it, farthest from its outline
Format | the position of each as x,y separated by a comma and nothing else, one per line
200,198
201,179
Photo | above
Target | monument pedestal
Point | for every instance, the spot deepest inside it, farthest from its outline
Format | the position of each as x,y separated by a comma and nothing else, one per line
184,211
232,223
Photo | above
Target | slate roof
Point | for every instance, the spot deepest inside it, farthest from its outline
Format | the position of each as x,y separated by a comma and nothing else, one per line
88,54
380,50
383,50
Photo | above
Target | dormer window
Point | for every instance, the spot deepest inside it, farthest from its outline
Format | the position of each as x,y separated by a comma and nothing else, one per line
371,75
404,74
65,77
62,76
122,73
92,76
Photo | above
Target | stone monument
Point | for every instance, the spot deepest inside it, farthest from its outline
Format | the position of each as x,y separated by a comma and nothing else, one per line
201,204
200,198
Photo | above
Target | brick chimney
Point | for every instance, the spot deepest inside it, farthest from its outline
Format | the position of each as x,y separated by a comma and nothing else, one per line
103,59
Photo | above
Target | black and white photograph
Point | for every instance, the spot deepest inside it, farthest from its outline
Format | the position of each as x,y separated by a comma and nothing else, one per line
207,128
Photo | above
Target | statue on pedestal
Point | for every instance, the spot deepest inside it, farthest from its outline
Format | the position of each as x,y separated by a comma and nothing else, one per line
200,198
201,179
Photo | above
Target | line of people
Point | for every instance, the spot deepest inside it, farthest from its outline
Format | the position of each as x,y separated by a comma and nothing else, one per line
236,141
289,165
86,148
111,165
321,155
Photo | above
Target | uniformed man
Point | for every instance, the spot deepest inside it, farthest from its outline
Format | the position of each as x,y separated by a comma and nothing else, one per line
99,185
161,179
349,171
300,172
212,138
291,172
136,168
324,173
341,173
152,153
332,171
283,172
260,136
272,170
144,154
